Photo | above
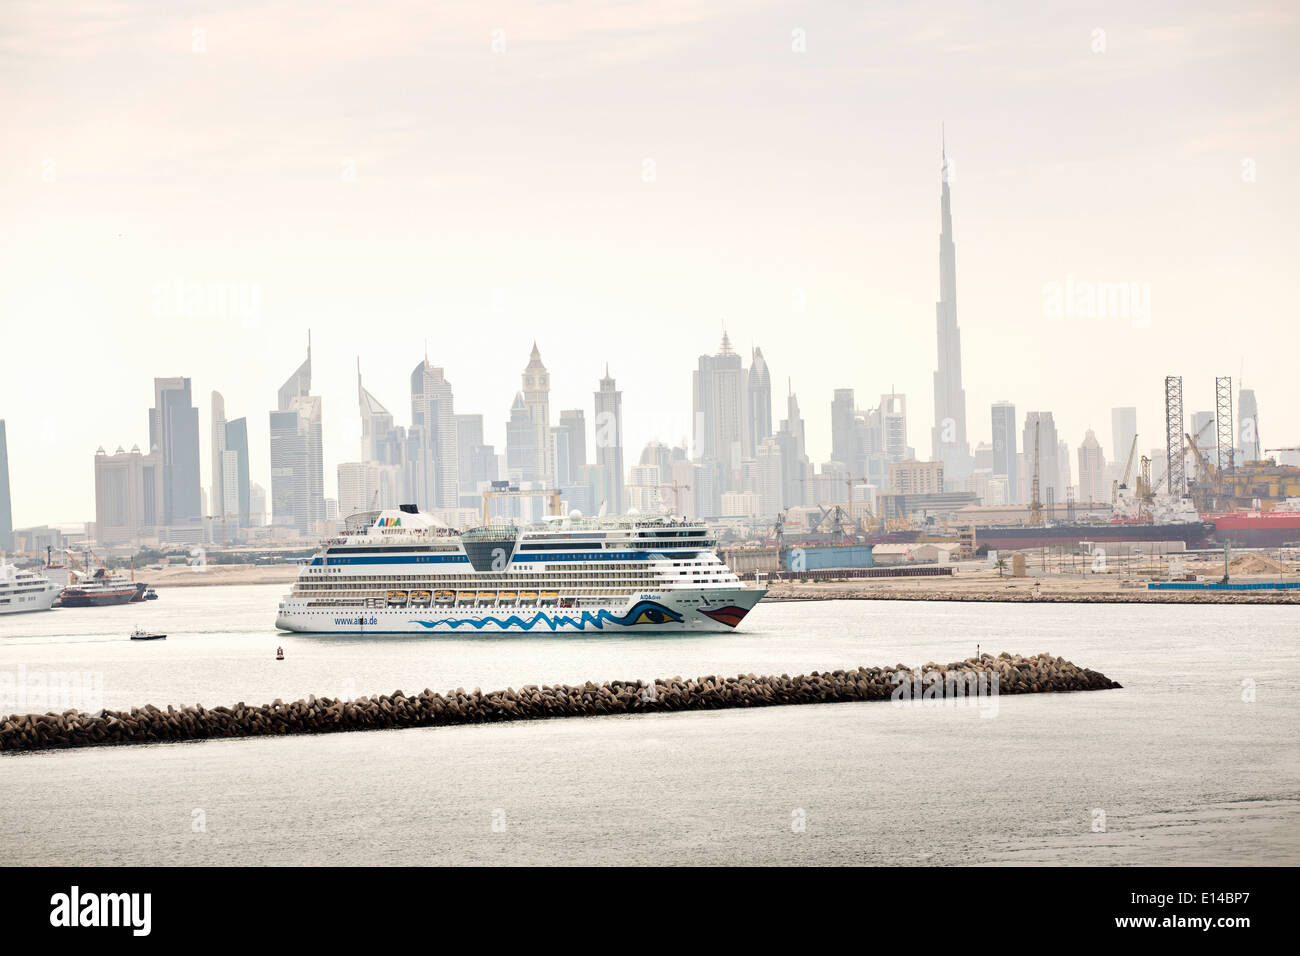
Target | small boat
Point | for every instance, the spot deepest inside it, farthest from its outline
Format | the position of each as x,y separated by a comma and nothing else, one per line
150,594
139,634
279,653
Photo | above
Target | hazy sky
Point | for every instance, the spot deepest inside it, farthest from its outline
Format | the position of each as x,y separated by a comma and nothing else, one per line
618,180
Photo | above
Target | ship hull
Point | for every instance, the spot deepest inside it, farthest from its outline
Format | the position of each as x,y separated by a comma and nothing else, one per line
677,611
1193,534
35,601
1263,530
75,597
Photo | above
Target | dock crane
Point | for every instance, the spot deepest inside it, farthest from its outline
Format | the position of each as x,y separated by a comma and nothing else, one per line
847,506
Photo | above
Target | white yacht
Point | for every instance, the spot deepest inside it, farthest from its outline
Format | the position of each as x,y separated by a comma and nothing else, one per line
400,571
23,590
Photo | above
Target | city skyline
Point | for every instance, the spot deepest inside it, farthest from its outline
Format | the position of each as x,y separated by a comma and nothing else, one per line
1057,469
683,214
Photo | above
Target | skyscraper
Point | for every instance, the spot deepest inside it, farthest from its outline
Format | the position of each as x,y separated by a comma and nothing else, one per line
218,451
1004,447
574,425
791,462
297,460
893,426
1248,425
843,416
235,475
477,462
537,399
6,505
719,405
1048,454
386,446
948,438
608,429
1092,466
521,442
128,495
174,433
433,425
1123,429
229,466
758,412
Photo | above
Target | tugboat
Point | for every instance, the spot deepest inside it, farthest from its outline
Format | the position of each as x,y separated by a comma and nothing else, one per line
139,634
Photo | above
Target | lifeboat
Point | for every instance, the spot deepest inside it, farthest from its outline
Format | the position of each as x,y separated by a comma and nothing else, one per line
507,596
465,595
528,595
396,598
421,598
443,597
550,595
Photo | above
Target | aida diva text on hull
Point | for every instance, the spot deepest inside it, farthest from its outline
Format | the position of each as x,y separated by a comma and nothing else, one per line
399,571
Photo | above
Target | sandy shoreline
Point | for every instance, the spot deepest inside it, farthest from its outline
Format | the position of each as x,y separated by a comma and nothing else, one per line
219,574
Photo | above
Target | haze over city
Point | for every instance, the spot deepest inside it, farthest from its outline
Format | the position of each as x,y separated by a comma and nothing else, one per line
469,182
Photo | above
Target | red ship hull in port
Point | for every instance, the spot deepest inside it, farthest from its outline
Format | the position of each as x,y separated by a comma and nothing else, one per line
1257,529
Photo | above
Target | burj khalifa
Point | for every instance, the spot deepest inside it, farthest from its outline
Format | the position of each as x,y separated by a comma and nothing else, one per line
948,437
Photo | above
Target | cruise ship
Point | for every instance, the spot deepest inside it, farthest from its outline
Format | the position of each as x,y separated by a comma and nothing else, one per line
401,572
22,590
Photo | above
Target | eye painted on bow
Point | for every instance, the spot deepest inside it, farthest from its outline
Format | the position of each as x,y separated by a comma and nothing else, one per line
650,613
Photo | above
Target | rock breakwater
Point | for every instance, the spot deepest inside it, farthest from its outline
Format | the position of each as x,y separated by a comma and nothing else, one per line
1004,674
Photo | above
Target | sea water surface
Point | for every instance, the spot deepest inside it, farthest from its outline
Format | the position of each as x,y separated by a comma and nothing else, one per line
1194,761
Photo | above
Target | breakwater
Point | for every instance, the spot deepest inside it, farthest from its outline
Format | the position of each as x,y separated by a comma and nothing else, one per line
1004,674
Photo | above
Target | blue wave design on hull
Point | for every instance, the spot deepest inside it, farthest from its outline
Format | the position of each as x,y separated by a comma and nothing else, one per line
643,612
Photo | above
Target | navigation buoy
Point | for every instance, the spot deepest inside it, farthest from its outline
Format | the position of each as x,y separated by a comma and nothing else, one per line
279,653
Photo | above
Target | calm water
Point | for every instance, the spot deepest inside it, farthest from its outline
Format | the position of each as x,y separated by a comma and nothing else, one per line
1184,770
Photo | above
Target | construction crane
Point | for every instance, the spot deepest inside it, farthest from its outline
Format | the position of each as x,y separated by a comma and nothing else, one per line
674,487
1267,450
552,493
1128,467
1036,502
222,516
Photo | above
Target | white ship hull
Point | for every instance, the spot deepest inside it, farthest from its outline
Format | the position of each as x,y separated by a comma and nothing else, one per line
674,611
18,603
